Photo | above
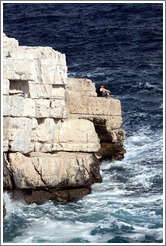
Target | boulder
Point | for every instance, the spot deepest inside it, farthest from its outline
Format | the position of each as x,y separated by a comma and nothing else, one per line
54,170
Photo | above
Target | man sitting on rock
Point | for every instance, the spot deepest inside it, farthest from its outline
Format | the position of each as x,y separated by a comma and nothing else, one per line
102,92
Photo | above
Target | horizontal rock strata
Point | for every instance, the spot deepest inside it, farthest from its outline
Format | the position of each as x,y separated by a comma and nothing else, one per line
54,128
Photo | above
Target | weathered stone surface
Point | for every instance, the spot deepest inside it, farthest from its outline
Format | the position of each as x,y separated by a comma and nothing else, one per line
6,106
5,87
52,73
56,170
39,196
9,43
93,106
6,127
65,195
22,107
20,69
19,134
7,182
43,130
35,52
81,87
54,108
39,90
77,135
46,91
42,108
58,109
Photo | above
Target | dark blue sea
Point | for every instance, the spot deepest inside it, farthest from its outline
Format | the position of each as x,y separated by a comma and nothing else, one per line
120,44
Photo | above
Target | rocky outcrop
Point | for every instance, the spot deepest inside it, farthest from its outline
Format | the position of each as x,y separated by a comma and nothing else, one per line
54,127
106,116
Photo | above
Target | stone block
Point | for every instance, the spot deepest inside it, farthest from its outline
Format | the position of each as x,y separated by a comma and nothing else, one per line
44,130
58,109
23,69
77,135
20,134
16,106
29,108
42,107
22,107
57,92
6,105
5,145
81,87
40,90
43,147
6,127
54,170
93,105
5,87
37,53
52,73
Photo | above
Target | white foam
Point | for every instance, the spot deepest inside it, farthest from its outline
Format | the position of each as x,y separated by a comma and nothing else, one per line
56,231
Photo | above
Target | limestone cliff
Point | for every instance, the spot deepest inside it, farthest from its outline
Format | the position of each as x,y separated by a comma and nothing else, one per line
53,126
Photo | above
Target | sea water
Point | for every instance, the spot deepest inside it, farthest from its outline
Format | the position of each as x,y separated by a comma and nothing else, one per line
119,44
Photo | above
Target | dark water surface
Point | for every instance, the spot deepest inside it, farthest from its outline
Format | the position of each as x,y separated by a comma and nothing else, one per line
121,45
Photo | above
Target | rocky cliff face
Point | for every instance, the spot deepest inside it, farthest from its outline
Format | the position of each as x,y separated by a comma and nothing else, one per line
54,127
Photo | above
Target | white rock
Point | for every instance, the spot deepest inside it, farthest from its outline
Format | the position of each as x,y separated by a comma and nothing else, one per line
6,105
20,69
5,87
77,135
16,106
42,107
45,130
58,109
40,90
19,134
52,73
53,170
29,108
58,92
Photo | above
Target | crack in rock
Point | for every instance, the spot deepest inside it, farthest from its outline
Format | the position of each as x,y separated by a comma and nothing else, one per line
40,175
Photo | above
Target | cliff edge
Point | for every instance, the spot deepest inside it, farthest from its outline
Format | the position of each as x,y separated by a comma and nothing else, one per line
55,128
